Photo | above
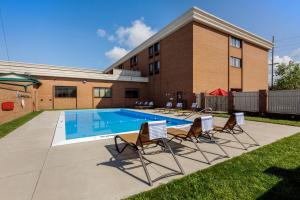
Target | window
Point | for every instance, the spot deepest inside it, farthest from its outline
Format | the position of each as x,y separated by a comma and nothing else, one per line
235,42
132,93
120,66
102,92
235,62
133,60
150,51
156,48
151,69
65,92
156,67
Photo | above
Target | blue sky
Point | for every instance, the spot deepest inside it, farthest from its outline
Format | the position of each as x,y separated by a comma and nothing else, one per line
94,33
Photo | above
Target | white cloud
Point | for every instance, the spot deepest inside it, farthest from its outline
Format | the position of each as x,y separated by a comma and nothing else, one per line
100,32
111,38
134,35
296,55
283,59
127,38
116,53
103,34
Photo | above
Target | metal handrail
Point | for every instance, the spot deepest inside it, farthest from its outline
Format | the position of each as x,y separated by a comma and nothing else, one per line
208,109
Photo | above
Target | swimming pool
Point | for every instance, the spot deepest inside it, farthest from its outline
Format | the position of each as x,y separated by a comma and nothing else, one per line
86,125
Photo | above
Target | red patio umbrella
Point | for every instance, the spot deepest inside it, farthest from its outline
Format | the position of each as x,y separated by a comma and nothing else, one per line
219,92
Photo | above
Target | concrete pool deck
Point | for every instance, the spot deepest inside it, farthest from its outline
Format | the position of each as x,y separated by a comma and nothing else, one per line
32,169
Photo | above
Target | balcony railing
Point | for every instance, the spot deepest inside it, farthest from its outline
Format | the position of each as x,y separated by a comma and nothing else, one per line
123,72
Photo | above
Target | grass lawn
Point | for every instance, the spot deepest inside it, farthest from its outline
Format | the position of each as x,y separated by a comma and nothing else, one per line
270,172
6,128
267,120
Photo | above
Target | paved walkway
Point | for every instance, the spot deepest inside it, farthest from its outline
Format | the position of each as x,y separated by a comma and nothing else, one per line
31,169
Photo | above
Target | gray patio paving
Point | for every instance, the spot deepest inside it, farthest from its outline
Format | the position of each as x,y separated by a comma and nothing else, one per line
31,169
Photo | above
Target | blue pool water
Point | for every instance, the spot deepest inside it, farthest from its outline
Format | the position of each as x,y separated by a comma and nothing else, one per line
87,123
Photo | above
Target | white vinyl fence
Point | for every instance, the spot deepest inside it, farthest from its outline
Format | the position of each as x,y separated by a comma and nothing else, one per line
246,101
198,99
284,101
278,101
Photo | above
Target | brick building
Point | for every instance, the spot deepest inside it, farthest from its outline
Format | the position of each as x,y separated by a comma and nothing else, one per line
197,52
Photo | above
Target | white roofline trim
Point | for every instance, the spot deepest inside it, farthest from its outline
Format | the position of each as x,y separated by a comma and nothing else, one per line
227,27
46,66
63,72
198,15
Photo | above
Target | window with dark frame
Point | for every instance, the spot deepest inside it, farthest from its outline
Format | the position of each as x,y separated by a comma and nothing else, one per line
235,62
156,67
120,66
234,42
100,92
65,91
150,51
151,69
133,60
132,93
156,48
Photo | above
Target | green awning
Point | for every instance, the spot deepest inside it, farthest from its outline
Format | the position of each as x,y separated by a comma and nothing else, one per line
12,78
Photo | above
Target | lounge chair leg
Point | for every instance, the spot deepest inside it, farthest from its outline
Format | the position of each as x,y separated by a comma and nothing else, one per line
256,143
232,133
143,150
145,168
117,147
200,151
175,138
168,146
205,135
214,141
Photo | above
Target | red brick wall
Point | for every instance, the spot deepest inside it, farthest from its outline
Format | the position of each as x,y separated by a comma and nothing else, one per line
255,68
46,98
176,62
18,111
210,59
195,59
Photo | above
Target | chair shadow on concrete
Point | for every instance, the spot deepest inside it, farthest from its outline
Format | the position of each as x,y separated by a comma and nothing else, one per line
183,150
128,160
225,142
287,188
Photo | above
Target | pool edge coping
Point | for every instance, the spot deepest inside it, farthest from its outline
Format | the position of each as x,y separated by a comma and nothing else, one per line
60,133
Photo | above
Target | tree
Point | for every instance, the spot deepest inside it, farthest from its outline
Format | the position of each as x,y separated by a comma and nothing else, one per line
287,76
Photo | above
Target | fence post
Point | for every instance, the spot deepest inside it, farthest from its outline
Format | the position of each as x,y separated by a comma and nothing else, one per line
262,101
202,103
230,102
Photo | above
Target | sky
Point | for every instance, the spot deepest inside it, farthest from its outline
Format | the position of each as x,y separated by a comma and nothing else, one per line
94,34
